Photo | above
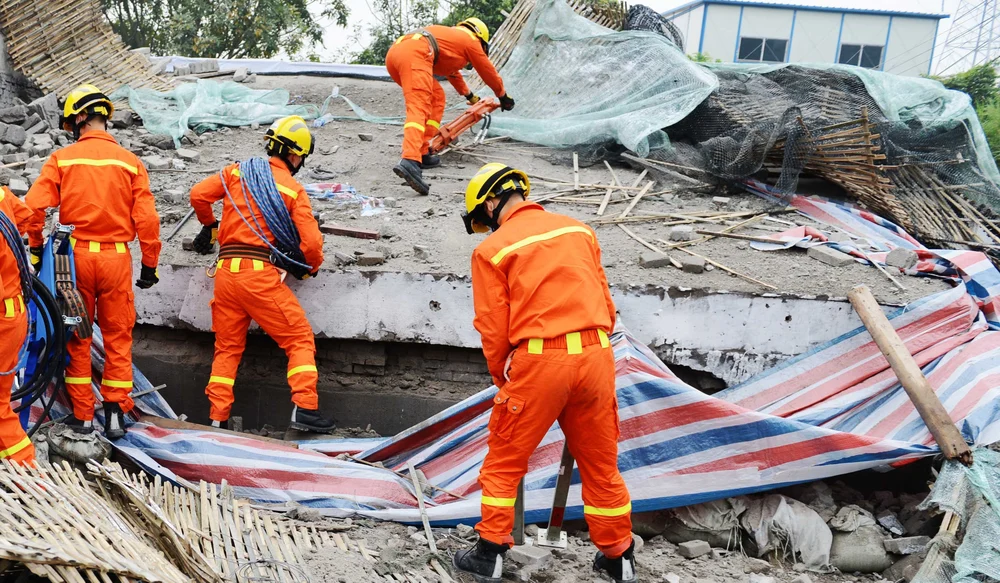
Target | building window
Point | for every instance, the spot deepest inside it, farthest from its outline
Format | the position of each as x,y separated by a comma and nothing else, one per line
867,56
768,50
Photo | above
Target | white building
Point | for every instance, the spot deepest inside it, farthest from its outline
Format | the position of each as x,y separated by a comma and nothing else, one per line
770,32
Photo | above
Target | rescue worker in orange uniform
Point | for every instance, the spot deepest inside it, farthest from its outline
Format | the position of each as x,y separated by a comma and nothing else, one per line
249,287
14,443
544,311
101,189
413,61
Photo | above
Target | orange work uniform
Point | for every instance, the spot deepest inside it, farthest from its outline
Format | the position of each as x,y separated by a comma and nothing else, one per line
102,189
544,311
412,65
14,443
252,289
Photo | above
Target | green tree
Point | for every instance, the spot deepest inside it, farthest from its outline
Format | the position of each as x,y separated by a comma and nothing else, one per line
394,18
222,28
489,11
979,82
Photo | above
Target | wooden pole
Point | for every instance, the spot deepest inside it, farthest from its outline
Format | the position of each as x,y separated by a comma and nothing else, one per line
925,400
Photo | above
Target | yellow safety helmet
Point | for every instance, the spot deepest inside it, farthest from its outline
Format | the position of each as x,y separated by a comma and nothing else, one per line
478,28
289,135
492,180
85,99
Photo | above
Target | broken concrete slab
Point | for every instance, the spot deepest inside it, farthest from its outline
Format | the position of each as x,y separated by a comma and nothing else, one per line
682,233
188,154
241,75
890,522
693,548
902,258
156,162
755,565
529,555
652,260
370,259
720,201
15,158
343,258
366,137
906,546
31,120
14,114
829,256
692,264
158,141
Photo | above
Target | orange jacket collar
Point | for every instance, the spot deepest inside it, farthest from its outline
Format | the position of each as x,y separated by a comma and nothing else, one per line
97,135
521,206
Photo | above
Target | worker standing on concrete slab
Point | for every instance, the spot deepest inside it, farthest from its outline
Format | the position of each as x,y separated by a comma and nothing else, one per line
14,281
102,190
248,283
413,61
544,311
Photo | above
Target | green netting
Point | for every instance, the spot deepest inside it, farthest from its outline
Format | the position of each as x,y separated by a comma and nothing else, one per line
577,83
208,105
904,99
973,494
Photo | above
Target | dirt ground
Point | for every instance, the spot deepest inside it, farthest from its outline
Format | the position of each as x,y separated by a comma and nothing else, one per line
434,221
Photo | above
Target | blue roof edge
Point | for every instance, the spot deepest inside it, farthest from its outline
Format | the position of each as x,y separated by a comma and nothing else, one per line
684,8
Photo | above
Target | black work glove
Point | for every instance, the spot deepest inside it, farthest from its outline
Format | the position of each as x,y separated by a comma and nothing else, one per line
204,243
506,102
36,257
148,277
472,98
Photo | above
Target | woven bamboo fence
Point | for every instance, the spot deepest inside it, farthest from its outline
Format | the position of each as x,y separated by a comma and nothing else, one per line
60,44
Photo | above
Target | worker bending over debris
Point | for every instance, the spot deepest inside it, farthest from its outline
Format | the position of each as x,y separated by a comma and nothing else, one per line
544,311
262,238
15,281
413,61
102,190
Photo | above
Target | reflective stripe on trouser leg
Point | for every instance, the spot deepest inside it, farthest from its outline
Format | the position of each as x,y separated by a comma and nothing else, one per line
14,443
230,322
433,123
78,370
415,70
116,316
590,423
523,411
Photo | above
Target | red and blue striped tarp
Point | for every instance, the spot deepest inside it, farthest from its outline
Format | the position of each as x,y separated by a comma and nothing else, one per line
834,410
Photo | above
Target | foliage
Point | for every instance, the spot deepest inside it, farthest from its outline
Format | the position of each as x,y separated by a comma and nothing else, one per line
979,82
394,18
222,28
989,117
703,58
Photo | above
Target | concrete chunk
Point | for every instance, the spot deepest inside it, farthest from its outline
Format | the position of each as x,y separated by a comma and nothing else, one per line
188,154
692,264
241,75
15,135
672,577
18,186
370,259
693,548
15,114
890,522
529,555
653,259
901,258
366,137
156,162
720,201
682,233
421,252
343,258
15,157
910,545
830,256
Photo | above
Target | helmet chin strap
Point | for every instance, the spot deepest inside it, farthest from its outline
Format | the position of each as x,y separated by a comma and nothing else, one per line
494,222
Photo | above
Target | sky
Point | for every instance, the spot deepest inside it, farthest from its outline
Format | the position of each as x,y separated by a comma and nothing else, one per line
337,41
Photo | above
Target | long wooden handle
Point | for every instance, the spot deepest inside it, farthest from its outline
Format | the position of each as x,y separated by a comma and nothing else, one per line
925,400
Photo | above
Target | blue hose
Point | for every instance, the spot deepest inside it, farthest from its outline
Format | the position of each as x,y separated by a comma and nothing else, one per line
13,239
261,191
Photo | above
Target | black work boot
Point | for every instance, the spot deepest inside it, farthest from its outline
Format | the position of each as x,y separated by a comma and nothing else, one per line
114,421
622,569
484,561
311,420
79,426
430,161
410,171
